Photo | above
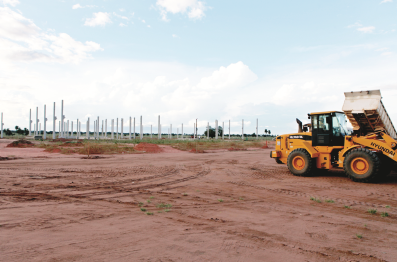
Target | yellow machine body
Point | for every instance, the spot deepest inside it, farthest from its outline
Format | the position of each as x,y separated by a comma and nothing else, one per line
285,144
327,144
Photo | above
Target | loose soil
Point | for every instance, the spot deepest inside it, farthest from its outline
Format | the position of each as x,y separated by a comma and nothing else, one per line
21,144
148,148
237,149
219,206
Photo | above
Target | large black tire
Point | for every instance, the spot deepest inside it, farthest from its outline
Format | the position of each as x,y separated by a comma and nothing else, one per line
386,165
300,163
362,165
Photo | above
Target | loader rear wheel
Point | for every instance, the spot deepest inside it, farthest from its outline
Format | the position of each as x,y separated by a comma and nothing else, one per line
362,165
300,162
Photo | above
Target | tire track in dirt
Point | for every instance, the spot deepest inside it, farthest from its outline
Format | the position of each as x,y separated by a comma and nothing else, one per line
306,195
168,183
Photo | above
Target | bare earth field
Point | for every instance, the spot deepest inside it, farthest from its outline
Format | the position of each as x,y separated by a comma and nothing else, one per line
216,206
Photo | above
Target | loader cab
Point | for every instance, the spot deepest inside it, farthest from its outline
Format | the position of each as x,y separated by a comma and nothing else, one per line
328,128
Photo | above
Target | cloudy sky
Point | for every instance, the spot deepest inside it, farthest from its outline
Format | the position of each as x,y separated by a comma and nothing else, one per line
192,59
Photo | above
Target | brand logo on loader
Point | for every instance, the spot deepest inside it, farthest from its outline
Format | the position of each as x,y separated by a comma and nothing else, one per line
296,137
388,151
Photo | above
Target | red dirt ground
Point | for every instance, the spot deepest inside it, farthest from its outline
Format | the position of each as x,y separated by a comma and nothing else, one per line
148,148
237,149
193,150
226,206
52,150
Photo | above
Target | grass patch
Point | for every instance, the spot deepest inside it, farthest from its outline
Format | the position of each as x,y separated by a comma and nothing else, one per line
160,211
167,210
329,201
241,198
387,206
217,144
348,207
220,200
184,194
359,236
372,211
384,214
162,205
143,209
148,201
149,213
152,197
140,204
315,199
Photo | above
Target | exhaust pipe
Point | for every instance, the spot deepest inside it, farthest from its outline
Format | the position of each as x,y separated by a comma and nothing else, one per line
300,126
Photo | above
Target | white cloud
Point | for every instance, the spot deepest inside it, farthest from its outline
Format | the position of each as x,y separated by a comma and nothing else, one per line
22,40
386,53
382,49
175,36
76,6
120,16
10,2
385,1
366,29
354,25
148,26
143,21
100,18
230,77
122,25
122,9
194,8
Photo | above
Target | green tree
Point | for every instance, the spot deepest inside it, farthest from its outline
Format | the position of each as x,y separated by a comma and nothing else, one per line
212,132
8,132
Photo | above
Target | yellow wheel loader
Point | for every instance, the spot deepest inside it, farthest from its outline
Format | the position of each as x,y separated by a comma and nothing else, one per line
366,154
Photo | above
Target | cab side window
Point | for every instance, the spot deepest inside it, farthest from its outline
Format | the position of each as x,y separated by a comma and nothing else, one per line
336,127
314,122
323,125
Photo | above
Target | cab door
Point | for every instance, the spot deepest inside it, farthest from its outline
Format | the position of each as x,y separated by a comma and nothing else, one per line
321,130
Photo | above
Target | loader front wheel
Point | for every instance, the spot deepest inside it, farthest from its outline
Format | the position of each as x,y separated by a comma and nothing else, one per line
362,165
300,162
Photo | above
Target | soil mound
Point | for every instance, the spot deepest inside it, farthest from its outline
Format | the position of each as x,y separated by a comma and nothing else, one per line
71,144
193,150
21,143
148,148
237,149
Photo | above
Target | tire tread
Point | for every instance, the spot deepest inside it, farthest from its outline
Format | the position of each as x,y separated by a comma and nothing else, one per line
311,165
373,176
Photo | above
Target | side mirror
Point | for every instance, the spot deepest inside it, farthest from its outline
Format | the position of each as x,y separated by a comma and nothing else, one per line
305,129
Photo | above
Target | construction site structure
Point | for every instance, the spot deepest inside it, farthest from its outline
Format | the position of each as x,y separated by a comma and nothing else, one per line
366,155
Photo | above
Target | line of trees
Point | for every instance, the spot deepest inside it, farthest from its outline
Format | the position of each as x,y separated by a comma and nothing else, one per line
18,131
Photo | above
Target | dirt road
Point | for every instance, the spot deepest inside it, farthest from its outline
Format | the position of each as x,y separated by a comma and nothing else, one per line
225,206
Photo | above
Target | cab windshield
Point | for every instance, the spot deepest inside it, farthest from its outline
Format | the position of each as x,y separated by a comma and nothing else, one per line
339,125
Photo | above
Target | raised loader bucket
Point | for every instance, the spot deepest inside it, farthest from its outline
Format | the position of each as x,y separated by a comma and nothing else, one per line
366,112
